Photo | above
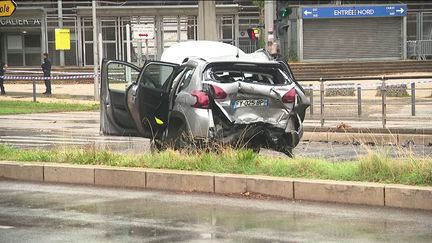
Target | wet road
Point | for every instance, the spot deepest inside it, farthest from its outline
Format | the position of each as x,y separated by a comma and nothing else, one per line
54,213
81,129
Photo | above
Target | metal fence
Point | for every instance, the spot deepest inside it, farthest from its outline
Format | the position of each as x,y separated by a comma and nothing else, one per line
370,98
419,49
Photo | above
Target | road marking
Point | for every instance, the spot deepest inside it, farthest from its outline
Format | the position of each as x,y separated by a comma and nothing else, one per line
6,227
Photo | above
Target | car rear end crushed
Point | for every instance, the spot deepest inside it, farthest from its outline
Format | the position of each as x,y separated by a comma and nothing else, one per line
253,104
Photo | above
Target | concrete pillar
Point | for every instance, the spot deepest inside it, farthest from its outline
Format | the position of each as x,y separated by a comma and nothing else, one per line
44,31
269,17
207,20
95,51
60,25
404,38
159,36
236,30
300,39
80,42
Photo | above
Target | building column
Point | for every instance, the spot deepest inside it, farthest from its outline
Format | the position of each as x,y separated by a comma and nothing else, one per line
269,16
300,39
60,25
236,30
95,51
159,36
404,37
80,42
44,31
207,20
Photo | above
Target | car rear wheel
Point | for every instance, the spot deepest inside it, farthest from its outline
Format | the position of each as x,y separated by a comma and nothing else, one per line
178,138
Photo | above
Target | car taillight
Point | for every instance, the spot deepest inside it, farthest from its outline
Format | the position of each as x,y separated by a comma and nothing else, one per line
218,93
202,99
289,97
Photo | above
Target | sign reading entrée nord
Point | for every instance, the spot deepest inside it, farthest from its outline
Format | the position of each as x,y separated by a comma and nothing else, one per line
359,11
7,8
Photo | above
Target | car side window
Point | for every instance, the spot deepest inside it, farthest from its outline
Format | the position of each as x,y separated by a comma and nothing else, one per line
178,76
120,76
185,79
156,75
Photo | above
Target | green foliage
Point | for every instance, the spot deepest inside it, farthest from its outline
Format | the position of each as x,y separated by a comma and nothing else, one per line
24,107
258,3
374,167
292,56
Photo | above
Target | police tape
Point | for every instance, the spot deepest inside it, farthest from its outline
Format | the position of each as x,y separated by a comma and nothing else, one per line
363,86
53,72
7,77
305,87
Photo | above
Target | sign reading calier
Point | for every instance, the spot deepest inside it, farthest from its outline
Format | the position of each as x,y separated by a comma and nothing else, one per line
358,11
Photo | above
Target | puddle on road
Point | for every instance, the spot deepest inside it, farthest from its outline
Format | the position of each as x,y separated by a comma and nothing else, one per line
106,215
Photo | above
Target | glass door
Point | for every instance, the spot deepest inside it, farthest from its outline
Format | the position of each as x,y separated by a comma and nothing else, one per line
14,50
32,49
23,49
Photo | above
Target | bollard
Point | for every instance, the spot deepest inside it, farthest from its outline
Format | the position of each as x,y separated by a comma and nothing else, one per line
322,101
383,102
34,90
359,102
413,98
311,99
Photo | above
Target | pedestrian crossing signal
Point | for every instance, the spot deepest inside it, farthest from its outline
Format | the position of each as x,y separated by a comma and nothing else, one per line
253,33
283,9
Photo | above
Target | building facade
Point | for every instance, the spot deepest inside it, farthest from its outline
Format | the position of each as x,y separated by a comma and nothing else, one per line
31,29
357,30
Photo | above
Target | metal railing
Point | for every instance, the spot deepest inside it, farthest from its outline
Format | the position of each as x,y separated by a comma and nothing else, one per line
419,49
366,92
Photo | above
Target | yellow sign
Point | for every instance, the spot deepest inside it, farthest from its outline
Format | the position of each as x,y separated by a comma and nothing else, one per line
7,8
62,39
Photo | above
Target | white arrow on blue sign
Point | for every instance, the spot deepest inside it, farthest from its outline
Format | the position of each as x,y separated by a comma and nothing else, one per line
359,11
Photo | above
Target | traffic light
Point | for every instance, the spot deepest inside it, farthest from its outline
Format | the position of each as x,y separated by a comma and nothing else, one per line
251,33
254,33
283,9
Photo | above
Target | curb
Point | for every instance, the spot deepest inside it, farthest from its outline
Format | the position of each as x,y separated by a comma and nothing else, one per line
373,194
373,130
367,138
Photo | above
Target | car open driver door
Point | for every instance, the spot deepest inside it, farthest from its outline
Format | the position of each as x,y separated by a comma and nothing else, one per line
116,79
148,98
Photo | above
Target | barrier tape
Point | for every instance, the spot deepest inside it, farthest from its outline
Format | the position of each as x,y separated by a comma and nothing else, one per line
53,72
315,87
52,77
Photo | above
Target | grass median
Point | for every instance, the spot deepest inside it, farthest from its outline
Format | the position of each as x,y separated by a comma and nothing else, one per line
26,107
374,167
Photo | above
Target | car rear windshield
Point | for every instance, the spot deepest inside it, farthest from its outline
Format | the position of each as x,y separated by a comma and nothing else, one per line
251,73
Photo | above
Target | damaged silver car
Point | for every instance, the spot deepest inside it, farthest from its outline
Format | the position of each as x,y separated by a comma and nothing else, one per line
246,100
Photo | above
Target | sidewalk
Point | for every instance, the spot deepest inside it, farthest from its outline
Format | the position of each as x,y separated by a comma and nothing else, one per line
69,93
83,93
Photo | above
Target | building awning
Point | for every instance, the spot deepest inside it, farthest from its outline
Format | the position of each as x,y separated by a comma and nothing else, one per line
184,10
24,19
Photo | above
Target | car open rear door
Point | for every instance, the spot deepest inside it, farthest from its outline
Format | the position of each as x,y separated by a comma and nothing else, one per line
117,77
148,99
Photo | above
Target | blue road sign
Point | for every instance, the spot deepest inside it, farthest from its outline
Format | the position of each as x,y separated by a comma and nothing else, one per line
358,11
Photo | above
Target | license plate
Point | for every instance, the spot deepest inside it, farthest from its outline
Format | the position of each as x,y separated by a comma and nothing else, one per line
249,103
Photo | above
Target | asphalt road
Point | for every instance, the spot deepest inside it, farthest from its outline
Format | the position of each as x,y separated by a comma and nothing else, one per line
81,129
32,212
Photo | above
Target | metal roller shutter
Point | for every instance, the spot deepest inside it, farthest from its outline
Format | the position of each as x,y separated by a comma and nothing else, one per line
342,39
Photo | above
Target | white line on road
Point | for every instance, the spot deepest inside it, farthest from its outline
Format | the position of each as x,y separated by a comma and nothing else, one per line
6,227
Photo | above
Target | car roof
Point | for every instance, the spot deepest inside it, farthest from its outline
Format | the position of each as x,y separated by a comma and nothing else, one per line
255,58
178,52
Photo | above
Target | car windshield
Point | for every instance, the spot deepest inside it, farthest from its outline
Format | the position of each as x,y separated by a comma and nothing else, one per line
251,73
